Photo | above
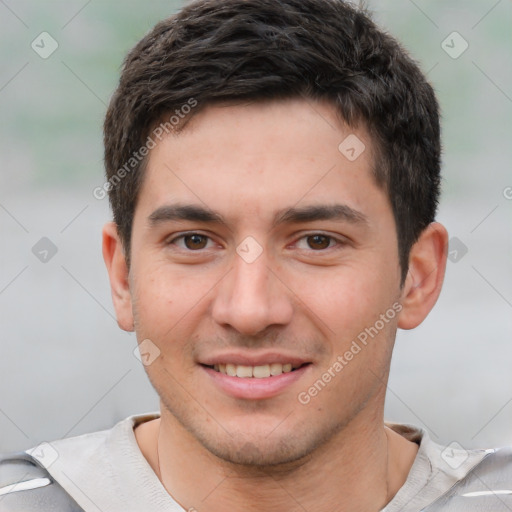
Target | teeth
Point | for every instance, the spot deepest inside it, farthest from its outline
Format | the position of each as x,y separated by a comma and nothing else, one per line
261,371
258,372
243,371
276,369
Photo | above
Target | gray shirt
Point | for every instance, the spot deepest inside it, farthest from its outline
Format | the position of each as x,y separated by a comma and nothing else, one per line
106,471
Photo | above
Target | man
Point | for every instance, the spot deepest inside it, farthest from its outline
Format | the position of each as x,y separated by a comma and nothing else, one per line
273,170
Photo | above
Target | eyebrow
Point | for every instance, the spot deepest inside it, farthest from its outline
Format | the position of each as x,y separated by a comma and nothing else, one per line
336,212
184,212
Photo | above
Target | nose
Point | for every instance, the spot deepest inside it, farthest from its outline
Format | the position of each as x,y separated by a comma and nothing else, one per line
251,297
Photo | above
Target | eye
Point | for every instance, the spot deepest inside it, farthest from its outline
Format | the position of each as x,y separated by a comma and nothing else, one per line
318,242
191,241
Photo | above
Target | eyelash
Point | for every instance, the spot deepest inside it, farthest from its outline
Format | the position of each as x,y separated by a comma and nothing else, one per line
338,241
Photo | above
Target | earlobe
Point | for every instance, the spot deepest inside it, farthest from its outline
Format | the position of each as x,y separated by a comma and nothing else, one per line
115,261
427,264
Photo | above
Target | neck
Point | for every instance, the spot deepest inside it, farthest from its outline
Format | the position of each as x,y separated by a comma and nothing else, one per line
360,469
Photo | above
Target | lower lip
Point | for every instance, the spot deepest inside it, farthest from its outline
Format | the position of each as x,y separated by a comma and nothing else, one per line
256,389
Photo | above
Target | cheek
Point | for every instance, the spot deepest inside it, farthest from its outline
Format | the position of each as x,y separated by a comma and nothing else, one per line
155,304
345,300
168,301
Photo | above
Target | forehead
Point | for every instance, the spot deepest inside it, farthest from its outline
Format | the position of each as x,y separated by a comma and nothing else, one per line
252,157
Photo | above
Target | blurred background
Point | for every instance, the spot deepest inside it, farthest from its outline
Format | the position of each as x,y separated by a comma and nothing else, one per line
65,366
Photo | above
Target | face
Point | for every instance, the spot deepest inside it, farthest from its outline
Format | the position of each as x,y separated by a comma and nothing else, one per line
259,246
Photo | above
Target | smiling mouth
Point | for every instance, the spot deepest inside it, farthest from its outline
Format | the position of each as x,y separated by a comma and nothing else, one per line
256,372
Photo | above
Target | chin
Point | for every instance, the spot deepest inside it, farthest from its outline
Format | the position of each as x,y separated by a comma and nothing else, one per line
251,451
254,440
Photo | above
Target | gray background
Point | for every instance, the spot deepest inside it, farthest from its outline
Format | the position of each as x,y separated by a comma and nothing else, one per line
65,366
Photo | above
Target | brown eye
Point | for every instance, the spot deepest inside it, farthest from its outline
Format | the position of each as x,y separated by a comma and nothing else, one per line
194,242
318,241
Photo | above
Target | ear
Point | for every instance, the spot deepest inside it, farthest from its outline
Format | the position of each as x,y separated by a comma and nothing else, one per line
427,264
115,260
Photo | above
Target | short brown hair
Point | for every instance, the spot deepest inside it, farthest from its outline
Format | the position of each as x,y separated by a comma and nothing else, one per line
259,50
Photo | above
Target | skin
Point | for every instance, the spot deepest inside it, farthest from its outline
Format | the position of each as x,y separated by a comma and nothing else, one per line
303,296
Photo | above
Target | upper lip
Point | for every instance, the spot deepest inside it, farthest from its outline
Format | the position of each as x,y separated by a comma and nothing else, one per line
252,359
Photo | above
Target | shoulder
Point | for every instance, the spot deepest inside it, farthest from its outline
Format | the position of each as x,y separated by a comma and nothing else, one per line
487,487
77,473
36,479
25,485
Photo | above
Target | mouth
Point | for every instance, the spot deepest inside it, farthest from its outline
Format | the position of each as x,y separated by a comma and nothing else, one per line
256,382
255,372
